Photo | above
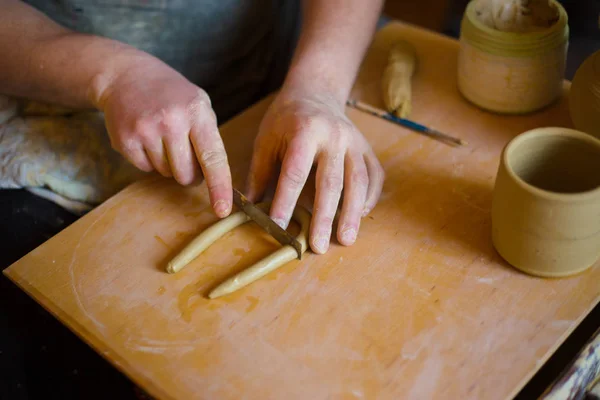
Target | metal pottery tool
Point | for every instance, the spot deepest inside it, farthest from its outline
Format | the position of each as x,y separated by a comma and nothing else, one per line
265,222
406,123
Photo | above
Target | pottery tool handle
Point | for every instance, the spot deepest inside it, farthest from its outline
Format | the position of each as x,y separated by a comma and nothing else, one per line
396,81
406,123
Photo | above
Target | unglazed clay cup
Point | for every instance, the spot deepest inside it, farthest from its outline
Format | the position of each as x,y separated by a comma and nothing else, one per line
510,72
546,202
584,96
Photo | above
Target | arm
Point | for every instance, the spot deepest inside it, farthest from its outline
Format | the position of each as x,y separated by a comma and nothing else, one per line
44,61
306,124
333,42
155,118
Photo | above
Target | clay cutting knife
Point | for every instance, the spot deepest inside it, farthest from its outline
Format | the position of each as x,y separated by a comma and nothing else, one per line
265,222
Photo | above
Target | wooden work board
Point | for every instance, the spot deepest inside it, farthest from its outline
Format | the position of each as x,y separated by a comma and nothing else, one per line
421,307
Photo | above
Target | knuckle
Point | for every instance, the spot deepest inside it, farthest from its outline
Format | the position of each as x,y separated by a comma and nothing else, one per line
337,127
306,125
200,104
360,177
173,123
325,221
202,98
215,187
319,121
169,119
143,128
294,175
339,134
213,158
126,143
333,183
300,125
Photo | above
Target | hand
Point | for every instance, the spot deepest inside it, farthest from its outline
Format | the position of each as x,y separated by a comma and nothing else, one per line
160,121
301,129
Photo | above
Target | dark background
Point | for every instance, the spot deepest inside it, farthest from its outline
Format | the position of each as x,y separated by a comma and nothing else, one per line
41,359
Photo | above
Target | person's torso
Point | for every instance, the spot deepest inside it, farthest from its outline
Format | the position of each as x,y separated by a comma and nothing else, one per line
237,50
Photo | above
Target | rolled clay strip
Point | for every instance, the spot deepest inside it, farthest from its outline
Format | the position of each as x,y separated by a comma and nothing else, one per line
269,263
205,239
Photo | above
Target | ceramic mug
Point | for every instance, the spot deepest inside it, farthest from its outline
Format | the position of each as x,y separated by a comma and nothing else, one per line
546,202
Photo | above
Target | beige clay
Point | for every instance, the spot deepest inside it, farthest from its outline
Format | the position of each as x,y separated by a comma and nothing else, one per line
546,202
256,271
269,263
396,80
204,240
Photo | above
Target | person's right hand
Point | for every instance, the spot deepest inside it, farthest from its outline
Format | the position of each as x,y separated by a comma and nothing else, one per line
158,120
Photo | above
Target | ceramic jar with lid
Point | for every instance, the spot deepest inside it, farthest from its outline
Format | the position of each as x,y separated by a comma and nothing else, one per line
512,72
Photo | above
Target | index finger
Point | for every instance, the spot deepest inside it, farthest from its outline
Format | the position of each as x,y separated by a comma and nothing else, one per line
295,169
210,152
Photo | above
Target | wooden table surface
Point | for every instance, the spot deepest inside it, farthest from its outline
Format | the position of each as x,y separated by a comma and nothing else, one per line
420,307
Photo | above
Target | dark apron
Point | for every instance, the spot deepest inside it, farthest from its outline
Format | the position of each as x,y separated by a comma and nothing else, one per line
236,50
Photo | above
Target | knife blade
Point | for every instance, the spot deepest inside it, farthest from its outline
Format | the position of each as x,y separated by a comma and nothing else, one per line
265,222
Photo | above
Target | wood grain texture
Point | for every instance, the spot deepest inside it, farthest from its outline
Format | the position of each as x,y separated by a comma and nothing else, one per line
420,307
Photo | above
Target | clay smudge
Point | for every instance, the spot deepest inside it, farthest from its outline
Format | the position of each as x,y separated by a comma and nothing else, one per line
162,241
189,299
253,303
239,252
183,234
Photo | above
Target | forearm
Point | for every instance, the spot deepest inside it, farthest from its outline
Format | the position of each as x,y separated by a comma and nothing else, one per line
43,61
335,36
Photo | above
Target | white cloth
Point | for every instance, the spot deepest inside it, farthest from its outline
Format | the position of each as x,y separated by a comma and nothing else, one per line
59,154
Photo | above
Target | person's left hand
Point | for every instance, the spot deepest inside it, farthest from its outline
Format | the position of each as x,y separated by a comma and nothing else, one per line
301,129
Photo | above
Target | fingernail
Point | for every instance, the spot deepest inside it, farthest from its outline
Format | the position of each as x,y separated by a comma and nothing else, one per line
321,243
280,222
221,208
366,212
348,235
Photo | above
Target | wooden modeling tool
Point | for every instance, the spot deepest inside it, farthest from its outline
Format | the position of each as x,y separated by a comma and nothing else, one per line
396,87
406,123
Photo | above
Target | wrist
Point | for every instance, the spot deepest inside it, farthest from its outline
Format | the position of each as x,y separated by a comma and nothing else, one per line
122,61
316,82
